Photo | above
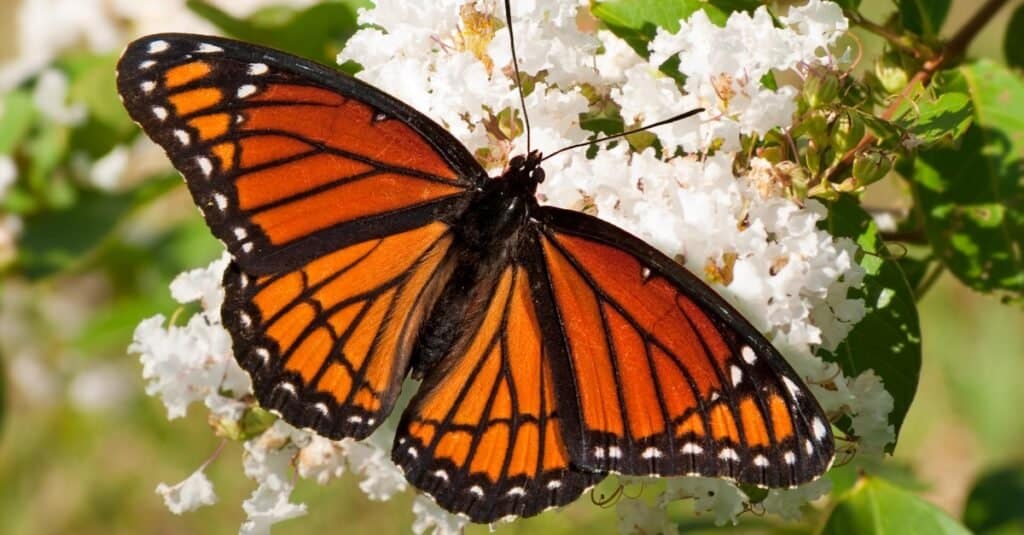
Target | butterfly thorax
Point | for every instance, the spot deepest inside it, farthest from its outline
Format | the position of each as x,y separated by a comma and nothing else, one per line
486,236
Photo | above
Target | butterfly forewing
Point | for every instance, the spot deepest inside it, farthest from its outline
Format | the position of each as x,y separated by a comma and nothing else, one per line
289,160
668,378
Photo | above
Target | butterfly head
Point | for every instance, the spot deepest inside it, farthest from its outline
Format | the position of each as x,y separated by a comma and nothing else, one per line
526,169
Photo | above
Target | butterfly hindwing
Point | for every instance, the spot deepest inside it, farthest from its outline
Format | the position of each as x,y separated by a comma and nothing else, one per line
483,435
287,159
328,344
670,379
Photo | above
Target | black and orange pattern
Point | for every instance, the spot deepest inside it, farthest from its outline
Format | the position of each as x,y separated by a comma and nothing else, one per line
288,163
694,389
369,247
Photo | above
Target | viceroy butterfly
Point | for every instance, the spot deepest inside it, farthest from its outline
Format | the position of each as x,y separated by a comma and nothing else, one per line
369,245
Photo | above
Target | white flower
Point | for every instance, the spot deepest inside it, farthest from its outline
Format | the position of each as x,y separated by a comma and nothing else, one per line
100,388
716,496
639,517
193,362
787,503
50,96
8,172
432,519
188,495
381,478
107,171
202,284
266,507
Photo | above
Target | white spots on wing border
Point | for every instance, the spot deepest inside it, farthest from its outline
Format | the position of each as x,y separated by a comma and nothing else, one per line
651,453
257,69
155,47
207,48
748,355
205,165
691,449
818,429
729,454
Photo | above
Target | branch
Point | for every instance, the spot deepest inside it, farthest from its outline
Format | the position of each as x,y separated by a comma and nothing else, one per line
953,50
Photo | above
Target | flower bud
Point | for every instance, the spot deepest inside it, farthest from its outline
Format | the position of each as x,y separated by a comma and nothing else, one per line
846,130
870,166
891,72
821,88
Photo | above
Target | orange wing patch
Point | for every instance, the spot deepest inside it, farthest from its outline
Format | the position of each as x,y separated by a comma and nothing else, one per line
663,386
283,165
484,437
328,344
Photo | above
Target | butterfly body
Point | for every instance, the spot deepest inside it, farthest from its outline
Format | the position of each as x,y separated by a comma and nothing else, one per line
369,246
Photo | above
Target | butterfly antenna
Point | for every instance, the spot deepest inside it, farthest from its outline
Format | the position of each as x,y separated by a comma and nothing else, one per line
679,117
515,66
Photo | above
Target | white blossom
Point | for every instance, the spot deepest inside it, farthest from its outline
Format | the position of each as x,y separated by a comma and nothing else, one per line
431,519
50,98
722,499
100,388
8,172
787,503
188,495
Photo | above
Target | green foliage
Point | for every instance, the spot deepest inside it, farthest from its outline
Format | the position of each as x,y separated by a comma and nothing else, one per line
924,17
994,504
637,21
878,507
48,247
318,32
971,195
1013,43
888,339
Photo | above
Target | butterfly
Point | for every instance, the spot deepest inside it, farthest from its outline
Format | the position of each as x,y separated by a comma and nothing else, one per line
370,246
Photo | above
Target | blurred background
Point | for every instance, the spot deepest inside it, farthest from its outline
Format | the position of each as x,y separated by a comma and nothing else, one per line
104,225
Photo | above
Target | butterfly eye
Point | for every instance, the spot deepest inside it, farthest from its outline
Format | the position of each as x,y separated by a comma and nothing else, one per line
537,175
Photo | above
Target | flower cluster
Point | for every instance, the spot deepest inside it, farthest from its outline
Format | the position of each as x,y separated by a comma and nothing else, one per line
762,251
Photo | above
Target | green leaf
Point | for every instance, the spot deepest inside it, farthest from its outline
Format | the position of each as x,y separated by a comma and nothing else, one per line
972,196
18,114
318,32
92,83
732,6
994,504
1013,45
57,240
924,17
888,339
944,119
880,508
637,21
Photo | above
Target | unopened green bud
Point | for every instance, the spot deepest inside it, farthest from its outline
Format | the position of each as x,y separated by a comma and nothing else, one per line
847,131
870,166
891,72
821,88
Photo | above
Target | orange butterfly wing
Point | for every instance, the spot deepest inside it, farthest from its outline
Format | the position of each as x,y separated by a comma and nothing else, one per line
289,160
335,201
667,378
483,435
